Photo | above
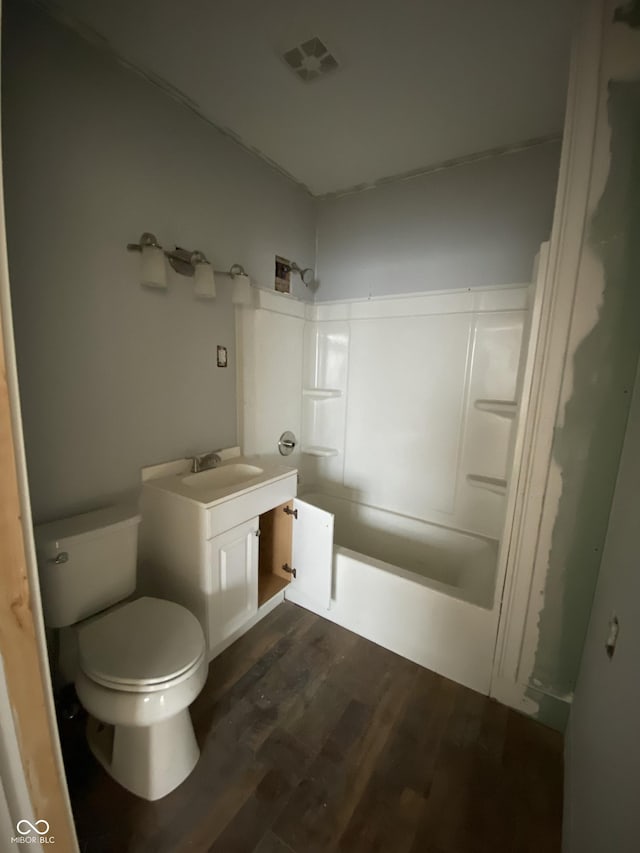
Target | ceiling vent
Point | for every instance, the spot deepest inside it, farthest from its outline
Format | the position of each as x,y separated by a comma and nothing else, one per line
310,60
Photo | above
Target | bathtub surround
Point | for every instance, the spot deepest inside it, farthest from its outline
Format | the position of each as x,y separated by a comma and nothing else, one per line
329,371
114,376
405,432
405,411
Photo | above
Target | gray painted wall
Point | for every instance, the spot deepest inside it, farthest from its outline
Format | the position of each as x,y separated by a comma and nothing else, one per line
591,423
113,377
602,780
473,225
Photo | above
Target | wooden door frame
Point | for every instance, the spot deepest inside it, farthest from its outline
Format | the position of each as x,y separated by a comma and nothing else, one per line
32,776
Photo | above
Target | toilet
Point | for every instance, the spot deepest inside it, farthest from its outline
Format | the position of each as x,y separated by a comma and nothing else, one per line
139,663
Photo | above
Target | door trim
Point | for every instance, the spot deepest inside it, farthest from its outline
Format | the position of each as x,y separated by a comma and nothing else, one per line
517,631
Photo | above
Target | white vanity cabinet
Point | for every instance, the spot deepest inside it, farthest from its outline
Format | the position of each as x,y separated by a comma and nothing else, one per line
231,553
232,558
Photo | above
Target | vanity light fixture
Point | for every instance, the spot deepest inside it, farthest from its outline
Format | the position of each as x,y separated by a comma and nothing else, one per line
204,279
186,262
242,293
152,269
237,271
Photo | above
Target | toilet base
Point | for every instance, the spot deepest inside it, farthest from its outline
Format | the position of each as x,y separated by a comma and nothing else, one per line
150,761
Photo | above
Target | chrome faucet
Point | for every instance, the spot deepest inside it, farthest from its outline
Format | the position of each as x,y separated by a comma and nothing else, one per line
204,462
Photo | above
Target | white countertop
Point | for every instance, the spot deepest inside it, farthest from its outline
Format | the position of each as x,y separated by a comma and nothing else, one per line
209,495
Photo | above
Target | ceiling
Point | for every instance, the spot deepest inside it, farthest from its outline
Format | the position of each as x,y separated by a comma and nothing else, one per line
419,82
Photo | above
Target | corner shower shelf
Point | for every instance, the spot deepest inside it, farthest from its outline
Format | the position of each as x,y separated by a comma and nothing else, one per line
321,393
315,450
505,408
492,484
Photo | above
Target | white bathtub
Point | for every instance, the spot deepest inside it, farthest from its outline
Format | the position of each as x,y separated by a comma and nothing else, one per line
424,591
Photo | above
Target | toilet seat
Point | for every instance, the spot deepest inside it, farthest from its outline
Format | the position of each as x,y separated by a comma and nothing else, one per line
143,646
141,687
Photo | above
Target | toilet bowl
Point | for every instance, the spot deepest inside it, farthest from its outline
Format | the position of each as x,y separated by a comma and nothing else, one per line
140,667
140,663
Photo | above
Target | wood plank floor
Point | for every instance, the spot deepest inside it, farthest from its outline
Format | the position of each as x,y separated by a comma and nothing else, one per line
314,739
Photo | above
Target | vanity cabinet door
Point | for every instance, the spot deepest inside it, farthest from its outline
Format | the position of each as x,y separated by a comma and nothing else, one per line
312,557
234,580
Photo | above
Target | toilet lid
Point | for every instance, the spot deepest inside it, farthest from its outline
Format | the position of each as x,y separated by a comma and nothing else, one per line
146,641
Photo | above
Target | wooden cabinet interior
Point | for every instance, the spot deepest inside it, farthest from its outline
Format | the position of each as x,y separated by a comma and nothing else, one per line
276,530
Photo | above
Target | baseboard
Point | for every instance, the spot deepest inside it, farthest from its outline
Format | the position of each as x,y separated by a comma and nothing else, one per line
552,711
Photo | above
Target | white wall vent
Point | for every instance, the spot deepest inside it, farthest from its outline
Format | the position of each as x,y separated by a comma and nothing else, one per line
310,60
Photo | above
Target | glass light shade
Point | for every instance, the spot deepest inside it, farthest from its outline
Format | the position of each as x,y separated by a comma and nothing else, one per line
241,294
153,272
204,281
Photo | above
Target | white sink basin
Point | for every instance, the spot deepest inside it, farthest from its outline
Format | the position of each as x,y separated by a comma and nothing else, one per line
225,475
234,492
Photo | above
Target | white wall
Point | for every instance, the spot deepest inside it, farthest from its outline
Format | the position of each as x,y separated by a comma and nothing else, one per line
112,376
603,749
475,225
271,338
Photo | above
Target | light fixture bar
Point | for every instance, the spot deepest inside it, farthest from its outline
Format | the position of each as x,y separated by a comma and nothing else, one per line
185,262
181,260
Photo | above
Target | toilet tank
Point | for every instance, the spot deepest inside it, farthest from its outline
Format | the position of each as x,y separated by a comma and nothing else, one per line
86,563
